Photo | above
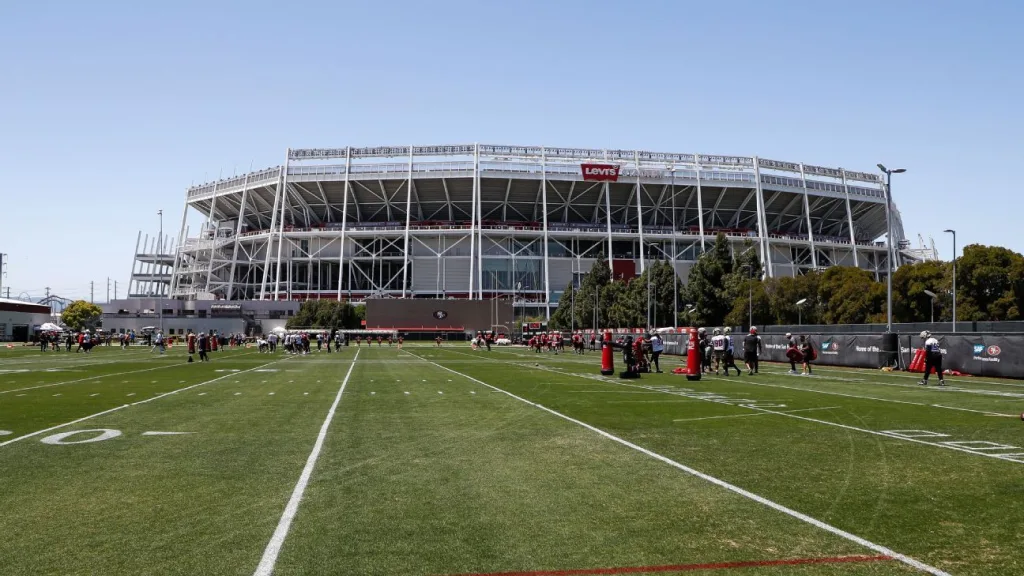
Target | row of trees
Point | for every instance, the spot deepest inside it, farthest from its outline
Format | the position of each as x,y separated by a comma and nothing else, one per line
726,288
327,314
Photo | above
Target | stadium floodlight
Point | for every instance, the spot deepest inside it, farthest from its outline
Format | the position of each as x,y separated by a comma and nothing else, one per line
953,232
888,242
800,311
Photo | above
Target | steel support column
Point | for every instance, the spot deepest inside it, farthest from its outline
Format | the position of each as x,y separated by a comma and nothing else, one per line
762,222
700,203
807,214
849,220
544,209
408,222
479,222
177,252
344,222
270,235
213,243
280,233
472,229
238,230
640,213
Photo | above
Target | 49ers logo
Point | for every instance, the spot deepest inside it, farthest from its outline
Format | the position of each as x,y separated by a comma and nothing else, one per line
600,172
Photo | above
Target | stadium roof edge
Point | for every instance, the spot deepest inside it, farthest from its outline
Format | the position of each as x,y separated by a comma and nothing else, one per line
556,153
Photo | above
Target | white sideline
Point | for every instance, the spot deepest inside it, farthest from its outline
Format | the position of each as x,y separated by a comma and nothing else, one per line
722,483
91,416
269,560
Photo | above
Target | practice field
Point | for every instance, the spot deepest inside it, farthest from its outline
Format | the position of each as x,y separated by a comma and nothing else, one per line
441,462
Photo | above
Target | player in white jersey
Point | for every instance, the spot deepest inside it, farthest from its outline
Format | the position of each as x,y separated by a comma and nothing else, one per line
730,353
932,358
718,345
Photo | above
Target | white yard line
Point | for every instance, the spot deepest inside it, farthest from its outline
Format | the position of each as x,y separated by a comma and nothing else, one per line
955,379
947,389
65,382
750,382
763,414
123,406
817,391
718,482
269,560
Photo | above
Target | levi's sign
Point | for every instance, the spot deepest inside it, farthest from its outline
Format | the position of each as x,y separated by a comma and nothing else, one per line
600,172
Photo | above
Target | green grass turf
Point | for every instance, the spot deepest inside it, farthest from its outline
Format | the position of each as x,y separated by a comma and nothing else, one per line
425,471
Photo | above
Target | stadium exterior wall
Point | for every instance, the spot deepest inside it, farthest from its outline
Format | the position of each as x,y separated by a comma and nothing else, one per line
469,316
479,221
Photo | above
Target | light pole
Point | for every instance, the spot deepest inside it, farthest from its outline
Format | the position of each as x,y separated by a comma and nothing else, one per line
750,295
648,300
160,250
888,243
2,273
515,287
953,232
933,296
800,311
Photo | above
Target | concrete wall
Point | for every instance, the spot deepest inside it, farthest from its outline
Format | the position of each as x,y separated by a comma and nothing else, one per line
468,315
181,315
178,325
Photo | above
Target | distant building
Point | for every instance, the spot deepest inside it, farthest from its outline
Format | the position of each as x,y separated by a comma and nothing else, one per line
19,320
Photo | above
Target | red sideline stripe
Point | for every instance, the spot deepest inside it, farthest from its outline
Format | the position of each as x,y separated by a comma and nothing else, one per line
689,567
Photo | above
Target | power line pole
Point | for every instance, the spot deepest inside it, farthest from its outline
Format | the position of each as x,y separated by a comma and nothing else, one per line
108,289
2,274
92,292
115,289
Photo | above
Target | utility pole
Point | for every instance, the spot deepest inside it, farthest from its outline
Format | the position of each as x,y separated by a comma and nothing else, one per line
115,289
108,289
92,292
2,274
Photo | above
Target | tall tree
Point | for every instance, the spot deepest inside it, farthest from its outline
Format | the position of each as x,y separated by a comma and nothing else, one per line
785,292
563,316
985,290
656,298
752,297
909,301
706,279
80,315
588,295
850,295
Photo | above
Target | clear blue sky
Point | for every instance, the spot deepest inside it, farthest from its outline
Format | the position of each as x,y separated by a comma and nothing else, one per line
109,110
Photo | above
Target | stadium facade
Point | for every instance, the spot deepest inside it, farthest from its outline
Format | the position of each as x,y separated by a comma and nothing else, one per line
480,221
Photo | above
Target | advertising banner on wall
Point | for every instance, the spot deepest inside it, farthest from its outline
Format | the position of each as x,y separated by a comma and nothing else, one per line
976,354
600,172
992,355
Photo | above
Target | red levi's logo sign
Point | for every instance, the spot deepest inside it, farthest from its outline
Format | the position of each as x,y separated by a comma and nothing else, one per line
600,172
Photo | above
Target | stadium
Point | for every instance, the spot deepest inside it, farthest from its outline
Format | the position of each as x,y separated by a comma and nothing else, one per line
481,221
